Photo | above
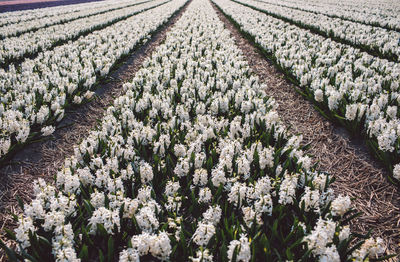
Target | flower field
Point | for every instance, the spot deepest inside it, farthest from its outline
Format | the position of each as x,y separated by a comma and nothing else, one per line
36,93
384,14
22,23
382,42
14,49
192,161
349,86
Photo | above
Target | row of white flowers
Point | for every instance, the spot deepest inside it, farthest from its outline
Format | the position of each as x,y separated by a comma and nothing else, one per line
383,14
26,25
383,42
360,91
192,163
8,18
36,94
16,48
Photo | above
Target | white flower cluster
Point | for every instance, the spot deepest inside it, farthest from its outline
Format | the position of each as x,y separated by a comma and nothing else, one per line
242,249
340,205
371,248
356,86
359,35
189,159
106,217
16,23
157,245
37,93
30,43
384,14
320,240
202,256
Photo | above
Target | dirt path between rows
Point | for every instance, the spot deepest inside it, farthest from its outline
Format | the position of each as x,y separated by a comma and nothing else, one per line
357,173
42,160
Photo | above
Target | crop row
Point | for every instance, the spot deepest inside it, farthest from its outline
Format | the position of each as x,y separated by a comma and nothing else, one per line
34,24
377,41
35,95
191,164
381,15
15,49
351,87
9,18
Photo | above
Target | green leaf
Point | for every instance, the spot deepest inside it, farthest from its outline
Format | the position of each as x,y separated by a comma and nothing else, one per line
29,257
306,255
102,231
10,234
20,202
275,228
11,254
15,217
289,254
84,254
44,242
356,246
235,253
209,164
88,206
345,221
110,251
101,256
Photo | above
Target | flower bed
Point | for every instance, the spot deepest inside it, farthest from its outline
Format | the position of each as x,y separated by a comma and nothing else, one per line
384,14
374,40
14,25
36,94
14,50
9,18
192,163
350,87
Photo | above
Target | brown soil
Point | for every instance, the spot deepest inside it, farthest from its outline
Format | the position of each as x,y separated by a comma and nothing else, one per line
43,159
357,173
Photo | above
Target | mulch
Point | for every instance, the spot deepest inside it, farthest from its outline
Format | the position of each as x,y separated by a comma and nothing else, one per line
348,160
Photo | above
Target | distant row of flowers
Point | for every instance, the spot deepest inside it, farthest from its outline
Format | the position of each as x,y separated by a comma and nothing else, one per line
29,22
15,49
192,163
52,15
35,94
384,14
379,41
349,86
